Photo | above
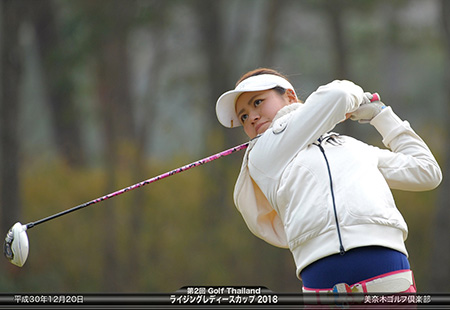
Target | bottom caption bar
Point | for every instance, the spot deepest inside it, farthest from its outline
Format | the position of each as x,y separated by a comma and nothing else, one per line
251,297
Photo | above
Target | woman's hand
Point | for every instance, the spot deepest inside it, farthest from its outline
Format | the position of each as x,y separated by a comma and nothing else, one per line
367,110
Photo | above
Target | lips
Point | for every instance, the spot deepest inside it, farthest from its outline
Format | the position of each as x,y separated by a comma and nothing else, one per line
258,126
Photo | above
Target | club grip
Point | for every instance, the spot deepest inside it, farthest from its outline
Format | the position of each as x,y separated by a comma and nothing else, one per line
375,97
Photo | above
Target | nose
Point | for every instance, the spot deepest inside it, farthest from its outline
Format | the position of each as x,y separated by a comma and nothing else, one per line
254,116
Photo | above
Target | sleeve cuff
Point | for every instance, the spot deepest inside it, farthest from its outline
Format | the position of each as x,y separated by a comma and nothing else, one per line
389,125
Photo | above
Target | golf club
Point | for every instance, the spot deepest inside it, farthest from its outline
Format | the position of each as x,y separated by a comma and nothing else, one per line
16,245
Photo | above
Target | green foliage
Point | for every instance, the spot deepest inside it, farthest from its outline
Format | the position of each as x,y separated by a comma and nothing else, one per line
177,243
418,209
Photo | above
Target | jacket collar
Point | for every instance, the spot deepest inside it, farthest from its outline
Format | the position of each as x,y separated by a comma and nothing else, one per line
286,110
282,112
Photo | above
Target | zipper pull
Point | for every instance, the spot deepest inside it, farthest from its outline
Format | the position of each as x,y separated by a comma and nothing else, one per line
342,250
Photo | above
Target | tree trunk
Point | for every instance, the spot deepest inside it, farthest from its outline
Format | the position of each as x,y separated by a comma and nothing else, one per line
11,67
116,117
139,260
335,11
339,47
58,82
440,255
270,32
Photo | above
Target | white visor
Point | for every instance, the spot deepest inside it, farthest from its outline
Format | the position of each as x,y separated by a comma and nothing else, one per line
225,106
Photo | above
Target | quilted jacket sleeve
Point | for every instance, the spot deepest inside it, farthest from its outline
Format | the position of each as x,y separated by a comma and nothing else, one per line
410,165
262,220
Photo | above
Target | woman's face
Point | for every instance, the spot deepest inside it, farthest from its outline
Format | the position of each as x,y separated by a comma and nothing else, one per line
257,109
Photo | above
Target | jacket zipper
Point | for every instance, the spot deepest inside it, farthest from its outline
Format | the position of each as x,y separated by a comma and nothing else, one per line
341,246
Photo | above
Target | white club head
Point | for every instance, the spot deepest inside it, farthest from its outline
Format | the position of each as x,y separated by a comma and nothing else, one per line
16,246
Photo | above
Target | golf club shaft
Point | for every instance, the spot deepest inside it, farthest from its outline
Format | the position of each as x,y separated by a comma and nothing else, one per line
137,185
154,179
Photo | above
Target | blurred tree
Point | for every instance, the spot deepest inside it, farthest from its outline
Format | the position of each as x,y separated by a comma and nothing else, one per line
55,52
12,12
440,255
394,47
335,11
339,38
116,107
109,24
341,44
272,19
211,28
155,20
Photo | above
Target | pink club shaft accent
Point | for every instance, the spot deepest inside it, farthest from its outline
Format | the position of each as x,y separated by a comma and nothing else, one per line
376,97
149,181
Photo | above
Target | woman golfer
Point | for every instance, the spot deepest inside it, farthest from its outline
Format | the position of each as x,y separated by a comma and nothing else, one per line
324,196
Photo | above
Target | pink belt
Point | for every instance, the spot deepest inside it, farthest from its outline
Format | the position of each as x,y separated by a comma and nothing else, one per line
400,281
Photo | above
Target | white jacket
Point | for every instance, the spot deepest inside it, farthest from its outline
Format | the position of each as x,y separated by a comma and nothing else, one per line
289,198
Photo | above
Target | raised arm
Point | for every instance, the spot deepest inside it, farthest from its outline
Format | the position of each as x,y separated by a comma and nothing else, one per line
320,113
409,165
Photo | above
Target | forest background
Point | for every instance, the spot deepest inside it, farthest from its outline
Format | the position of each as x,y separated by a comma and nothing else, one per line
97,95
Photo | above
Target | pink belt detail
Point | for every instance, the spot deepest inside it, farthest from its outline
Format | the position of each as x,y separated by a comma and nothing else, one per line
367,286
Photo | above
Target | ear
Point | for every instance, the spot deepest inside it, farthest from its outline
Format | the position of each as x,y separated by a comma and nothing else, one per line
291,96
